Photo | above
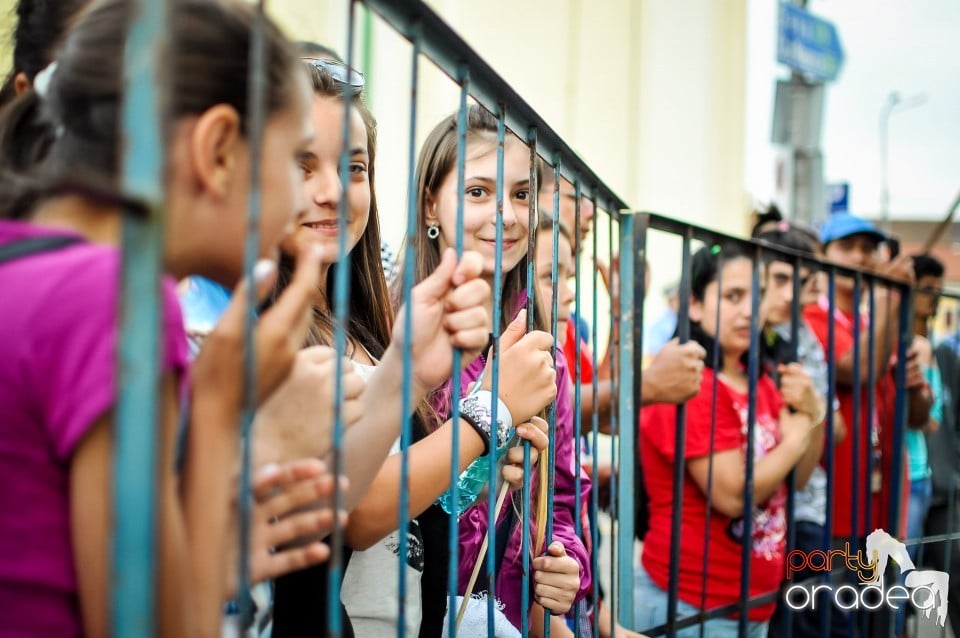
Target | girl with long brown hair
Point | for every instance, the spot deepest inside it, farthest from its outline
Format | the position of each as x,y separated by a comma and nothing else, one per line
562,574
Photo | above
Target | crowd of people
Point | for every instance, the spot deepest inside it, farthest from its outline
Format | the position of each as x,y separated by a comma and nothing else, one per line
61,214
792,424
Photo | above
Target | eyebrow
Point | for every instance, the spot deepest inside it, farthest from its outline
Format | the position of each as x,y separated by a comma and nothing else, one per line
487,180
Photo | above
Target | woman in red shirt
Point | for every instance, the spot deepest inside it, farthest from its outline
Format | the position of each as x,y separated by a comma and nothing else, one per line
716,441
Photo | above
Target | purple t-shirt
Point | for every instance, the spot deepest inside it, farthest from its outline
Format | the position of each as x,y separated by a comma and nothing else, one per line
473,522
57,372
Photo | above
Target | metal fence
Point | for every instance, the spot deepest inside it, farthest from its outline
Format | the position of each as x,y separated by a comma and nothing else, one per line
629,233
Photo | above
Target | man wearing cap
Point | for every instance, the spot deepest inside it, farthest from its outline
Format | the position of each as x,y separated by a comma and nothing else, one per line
853,242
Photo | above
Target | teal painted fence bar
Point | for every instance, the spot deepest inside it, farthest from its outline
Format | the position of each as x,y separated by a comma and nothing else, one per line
137,416
627,418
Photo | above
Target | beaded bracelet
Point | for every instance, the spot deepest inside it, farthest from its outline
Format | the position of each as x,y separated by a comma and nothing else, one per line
477,410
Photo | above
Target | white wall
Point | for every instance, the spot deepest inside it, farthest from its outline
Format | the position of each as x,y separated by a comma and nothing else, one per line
650,93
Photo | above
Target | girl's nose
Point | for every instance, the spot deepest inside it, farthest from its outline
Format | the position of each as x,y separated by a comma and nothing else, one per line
326,189
566,293
509,214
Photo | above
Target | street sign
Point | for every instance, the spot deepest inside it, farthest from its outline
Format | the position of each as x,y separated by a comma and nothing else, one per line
798,114
838,197
808,44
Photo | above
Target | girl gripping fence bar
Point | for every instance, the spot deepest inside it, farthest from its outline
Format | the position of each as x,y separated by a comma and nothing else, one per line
781,439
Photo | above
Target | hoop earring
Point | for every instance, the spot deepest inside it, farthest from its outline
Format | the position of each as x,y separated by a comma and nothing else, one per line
433,231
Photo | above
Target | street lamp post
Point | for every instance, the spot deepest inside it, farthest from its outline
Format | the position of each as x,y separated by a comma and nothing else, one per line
893,104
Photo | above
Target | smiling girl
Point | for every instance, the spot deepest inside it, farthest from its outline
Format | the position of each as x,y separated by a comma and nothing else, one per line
562,573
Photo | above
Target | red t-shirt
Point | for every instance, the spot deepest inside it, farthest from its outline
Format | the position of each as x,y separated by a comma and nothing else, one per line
657,432
817,317
569,348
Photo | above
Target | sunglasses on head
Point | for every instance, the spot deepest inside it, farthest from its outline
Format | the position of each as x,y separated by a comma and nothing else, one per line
339,72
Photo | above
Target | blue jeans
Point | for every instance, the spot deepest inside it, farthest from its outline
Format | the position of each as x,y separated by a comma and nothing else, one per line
650,610
921,491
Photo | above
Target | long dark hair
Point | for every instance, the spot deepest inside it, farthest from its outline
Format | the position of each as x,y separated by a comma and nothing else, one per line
69,140
370,313
705,267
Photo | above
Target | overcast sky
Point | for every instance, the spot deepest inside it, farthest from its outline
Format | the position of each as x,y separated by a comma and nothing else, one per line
909,46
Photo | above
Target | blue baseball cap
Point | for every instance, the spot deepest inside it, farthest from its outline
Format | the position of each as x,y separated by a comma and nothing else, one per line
840,225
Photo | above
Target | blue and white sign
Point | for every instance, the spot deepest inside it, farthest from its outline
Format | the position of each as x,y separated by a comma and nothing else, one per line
808,44
838,197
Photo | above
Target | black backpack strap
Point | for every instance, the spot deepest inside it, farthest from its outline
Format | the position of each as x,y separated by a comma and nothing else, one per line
34,245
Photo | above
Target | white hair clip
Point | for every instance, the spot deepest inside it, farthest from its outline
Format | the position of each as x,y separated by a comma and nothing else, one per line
41,82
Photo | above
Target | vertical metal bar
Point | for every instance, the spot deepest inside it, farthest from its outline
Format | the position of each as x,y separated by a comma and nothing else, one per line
615,601
713,432
676,519
138,401
871,398
627,417
831,357
463,77
641,228
366,56
497,311
552,409
532,293
594,440
900,402
406,434
256,100
855,432
341,304
870,420
786,620
948,551
577,379
753,376
886,619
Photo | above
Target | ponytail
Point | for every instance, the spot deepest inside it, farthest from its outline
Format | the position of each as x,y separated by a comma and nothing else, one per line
69,138
26,135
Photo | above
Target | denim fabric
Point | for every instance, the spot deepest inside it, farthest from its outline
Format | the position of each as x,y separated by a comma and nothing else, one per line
921,492
650,610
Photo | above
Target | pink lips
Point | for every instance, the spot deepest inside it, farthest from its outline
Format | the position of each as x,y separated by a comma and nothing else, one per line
507,243
324,227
